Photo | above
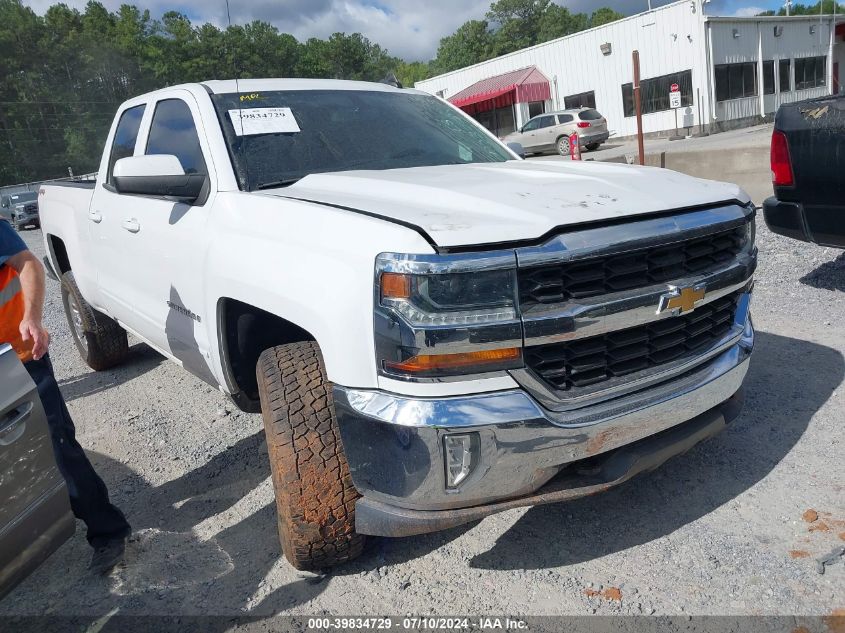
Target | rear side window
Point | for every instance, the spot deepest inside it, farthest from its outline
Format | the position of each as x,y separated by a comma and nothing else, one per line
546,121
173,132
125,136
564,118
589,115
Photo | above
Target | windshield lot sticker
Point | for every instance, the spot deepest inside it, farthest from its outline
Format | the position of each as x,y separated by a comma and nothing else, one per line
263,121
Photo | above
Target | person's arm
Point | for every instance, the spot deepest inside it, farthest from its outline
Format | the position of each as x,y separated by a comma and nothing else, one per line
31,274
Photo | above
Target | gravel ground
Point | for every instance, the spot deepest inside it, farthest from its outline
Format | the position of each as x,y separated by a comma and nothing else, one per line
722,530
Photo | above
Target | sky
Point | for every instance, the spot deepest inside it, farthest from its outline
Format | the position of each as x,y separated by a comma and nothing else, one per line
410,29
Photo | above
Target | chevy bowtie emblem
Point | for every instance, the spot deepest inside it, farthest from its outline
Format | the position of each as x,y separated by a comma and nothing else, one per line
680,300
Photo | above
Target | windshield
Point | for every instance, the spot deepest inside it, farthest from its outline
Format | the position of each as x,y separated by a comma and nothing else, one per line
341,130
18,198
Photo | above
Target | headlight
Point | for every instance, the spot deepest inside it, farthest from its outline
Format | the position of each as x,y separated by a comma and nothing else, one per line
439,316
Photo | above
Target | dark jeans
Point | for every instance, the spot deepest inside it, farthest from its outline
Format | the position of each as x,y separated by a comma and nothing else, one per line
89,497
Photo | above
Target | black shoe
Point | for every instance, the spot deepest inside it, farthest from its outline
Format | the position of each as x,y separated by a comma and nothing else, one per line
107,556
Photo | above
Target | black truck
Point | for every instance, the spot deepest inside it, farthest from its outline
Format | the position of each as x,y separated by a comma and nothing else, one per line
808,172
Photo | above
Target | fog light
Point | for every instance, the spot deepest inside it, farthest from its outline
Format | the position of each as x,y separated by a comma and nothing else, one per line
461,456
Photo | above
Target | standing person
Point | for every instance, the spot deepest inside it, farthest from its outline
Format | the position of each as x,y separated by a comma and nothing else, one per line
21,305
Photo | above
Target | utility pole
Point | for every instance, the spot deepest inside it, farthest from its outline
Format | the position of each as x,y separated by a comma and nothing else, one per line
638,107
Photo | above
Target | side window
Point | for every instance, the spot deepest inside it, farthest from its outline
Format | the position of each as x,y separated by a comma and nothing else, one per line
564,118
533,124
125,136
546,121
173,132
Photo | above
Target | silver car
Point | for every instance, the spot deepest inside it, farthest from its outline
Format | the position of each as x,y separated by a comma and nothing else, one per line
35,514
551,131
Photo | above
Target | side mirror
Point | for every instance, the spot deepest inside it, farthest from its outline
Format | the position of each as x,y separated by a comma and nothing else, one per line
517,149
156,175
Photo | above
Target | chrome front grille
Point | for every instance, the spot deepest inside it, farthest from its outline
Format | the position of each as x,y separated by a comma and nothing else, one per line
590,361
595,325
554,283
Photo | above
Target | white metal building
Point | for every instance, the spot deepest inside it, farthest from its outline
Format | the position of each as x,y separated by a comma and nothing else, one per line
731,71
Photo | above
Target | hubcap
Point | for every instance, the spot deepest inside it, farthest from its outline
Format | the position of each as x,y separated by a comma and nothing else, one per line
76,322
563,145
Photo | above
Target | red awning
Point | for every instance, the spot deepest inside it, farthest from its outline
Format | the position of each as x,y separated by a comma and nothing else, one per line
518,86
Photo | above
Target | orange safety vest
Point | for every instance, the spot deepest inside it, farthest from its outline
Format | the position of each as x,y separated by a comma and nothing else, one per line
11,313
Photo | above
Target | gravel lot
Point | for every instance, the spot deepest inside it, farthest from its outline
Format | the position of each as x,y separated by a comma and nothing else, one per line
722,530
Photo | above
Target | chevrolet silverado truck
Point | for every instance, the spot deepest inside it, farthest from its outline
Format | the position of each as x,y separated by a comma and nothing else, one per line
433,329
808,160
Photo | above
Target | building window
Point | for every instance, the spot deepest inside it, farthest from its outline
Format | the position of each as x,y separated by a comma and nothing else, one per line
581,100
809,72
655,92
783,71
535,108
735,81
769,77
499,121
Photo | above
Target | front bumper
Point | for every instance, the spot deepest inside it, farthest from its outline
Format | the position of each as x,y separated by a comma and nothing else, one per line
526,454
26,219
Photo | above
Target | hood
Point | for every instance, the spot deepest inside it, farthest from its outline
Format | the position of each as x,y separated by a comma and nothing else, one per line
488,203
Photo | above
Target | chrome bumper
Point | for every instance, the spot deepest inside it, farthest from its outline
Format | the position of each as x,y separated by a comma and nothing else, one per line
394,444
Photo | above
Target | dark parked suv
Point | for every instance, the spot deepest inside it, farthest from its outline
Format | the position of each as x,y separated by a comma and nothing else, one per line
23,209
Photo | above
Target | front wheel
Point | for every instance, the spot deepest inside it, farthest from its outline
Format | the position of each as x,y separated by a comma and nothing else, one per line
101,342
563,146
315,497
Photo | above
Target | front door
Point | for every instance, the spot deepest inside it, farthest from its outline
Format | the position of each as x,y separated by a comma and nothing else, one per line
546,131
165,241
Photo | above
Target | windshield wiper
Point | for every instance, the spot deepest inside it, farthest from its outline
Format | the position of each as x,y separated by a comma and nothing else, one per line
278,183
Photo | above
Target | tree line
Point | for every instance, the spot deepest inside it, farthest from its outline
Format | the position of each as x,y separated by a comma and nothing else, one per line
65,72
826,7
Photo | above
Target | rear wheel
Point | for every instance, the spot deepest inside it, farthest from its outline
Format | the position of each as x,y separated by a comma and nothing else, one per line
315,497
592,146
563,146
101,342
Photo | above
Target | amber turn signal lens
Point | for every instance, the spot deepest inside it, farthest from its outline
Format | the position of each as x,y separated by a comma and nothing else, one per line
430,362
395,286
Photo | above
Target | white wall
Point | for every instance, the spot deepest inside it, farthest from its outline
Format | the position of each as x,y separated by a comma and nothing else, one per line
758,35
669,39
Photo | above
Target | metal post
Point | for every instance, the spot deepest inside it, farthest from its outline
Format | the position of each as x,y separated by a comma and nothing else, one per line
638,107
698,101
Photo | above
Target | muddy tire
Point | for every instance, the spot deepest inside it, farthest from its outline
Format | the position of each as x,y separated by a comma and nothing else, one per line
562,146
101,342
315,498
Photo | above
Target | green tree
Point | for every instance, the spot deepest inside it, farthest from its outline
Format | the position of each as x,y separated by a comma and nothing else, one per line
518,23
557,21
410,73
604,15
470,44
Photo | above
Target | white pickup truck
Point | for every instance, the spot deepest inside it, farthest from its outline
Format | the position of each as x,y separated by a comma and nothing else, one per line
433,329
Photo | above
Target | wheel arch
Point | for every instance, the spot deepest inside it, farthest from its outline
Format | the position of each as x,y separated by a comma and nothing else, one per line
244,331
58,254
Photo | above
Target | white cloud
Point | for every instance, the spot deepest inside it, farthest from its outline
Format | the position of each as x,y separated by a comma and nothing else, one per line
748,12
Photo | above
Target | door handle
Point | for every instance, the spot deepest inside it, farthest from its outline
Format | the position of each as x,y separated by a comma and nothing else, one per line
132,225
13,424
95,216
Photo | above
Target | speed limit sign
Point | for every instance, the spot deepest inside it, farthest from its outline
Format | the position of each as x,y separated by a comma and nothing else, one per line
675,96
